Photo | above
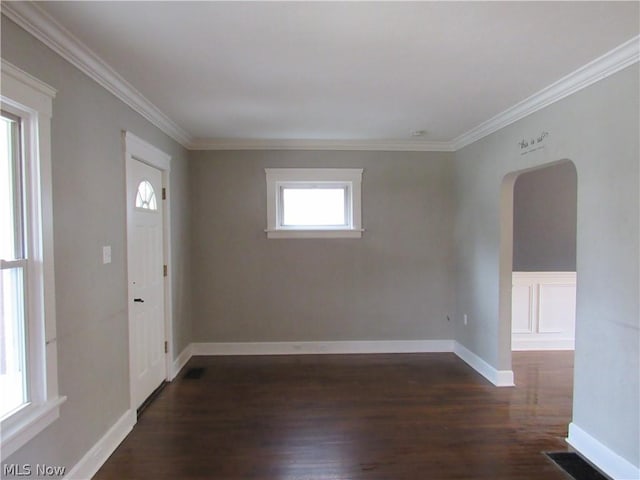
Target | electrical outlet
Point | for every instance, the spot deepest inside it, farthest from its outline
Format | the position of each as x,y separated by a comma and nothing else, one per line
466,319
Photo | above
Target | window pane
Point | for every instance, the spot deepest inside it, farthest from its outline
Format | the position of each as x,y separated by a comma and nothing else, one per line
313,207
146,196
10,192
12,341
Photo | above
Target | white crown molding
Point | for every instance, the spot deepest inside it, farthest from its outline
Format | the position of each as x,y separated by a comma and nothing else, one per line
594,71
42,26
291,144
46,29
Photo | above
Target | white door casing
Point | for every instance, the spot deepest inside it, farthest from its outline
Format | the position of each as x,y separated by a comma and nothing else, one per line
147,253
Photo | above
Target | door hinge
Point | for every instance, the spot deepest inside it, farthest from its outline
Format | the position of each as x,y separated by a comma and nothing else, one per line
166,347
164,193
165,271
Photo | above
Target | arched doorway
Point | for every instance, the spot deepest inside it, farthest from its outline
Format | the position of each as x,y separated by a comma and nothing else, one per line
548,254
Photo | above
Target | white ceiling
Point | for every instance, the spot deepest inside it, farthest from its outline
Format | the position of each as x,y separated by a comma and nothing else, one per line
343,71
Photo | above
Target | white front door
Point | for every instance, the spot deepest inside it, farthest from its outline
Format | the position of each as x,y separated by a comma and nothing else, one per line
146,279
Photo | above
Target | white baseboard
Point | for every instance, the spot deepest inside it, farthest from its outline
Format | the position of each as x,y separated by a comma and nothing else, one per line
527,344
181,361
100,452
335,347
500,378
601,456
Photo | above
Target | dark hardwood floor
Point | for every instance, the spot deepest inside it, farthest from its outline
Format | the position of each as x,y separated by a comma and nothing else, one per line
348,417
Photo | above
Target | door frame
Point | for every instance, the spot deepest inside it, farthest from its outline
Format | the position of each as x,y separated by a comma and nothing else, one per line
137,149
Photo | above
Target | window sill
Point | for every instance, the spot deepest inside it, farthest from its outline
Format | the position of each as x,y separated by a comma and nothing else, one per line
28,422
314,233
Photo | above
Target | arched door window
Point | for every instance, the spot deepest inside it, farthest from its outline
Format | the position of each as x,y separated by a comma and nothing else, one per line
146,196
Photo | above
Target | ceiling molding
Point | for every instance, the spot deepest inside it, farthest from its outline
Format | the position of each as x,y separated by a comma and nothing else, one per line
291,144
46,29
594,71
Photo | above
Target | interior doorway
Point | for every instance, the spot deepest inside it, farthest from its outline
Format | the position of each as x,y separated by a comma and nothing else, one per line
507,253
544,259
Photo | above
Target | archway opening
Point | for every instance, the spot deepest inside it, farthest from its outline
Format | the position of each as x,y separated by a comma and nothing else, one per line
538,271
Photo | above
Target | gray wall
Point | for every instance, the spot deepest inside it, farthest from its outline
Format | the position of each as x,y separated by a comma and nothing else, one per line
544,220
89,212
596,128
394,283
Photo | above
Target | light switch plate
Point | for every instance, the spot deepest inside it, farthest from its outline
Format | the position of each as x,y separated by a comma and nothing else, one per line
106,254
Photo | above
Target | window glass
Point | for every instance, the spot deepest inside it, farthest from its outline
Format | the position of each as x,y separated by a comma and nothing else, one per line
313,206
146,196
314,202
13,379
13,375
10,189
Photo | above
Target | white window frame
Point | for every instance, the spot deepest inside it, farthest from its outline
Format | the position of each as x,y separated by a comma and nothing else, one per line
31,100
348,178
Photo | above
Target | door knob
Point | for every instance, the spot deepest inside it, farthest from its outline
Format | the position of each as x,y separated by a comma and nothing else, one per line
139,300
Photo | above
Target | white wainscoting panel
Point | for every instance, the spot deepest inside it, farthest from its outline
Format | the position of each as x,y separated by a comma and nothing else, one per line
543,310
557,307
522,308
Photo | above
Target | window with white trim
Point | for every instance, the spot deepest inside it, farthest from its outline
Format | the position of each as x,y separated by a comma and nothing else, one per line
29,399
314,202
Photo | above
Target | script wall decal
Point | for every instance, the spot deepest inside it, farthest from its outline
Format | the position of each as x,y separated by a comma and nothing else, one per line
532,144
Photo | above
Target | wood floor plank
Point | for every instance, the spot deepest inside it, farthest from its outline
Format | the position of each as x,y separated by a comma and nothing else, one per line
352,417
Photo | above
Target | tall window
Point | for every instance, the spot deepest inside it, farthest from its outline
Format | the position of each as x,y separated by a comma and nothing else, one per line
313,202
13,262
29,399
